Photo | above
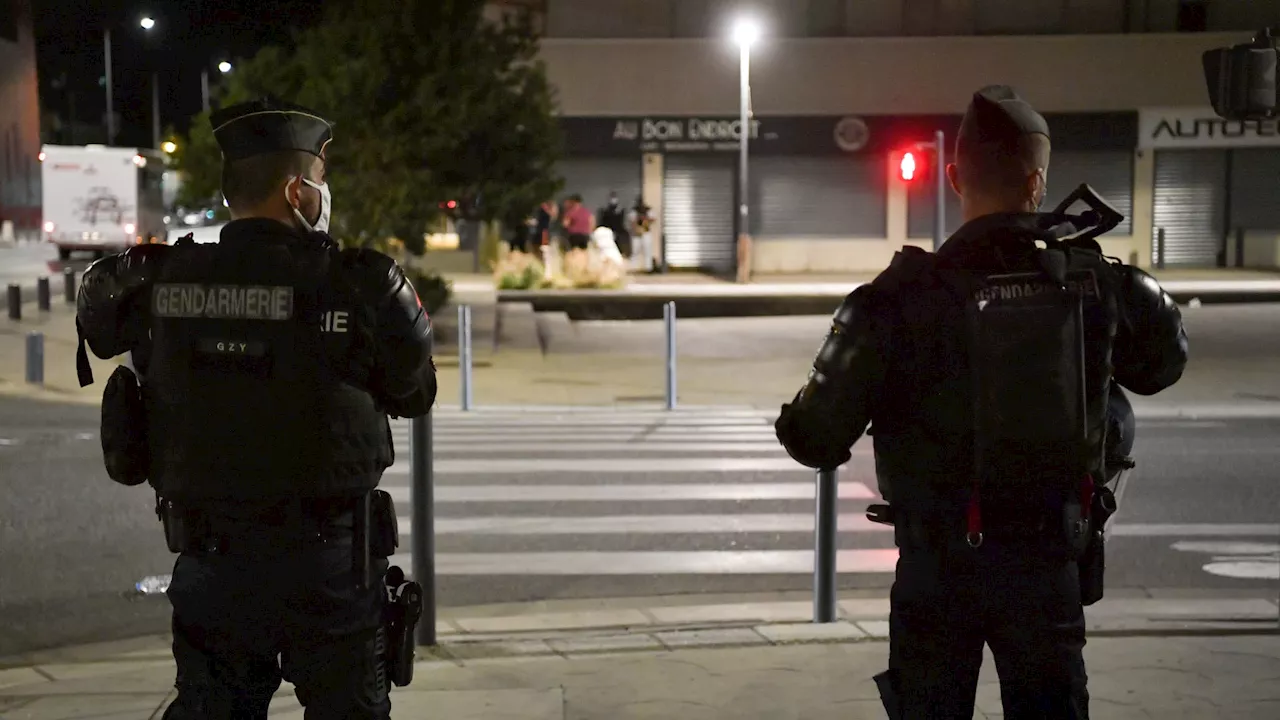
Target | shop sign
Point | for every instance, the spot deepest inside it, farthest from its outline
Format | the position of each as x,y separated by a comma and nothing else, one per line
1164,128
701,134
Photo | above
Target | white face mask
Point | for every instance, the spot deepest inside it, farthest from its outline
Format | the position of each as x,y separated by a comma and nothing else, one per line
326,206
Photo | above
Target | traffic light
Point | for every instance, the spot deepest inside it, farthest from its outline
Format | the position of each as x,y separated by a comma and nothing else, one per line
908,167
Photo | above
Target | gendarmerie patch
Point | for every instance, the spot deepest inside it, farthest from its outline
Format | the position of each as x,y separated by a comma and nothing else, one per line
222,302
1018,286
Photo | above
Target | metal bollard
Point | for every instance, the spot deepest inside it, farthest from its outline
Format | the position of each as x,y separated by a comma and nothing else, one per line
423,536
42,294
35,358
69,285
15,302
824,547
464,353
1159,249
669,320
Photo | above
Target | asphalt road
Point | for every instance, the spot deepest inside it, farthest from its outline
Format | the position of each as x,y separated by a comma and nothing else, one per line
540,506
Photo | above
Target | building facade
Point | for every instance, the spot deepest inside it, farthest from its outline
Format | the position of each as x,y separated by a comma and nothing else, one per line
19,118
649,94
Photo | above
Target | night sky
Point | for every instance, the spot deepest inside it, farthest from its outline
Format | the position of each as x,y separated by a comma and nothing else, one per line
188,35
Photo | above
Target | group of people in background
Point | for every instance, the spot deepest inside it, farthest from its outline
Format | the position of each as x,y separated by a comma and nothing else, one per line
574,224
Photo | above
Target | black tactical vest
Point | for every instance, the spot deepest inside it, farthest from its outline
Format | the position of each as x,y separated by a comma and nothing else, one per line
251,341
923,424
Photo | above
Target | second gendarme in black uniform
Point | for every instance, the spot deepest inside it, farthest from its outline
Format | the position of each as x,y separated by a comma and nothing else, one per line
984,372
269,362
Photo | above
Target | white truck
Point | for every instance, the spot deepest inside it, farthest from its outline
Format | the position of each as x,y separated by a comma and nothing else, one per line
102,199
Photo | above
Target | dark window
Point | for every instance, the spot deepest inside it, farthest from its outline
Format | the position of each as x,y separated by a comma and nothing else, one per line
9,20
1193,15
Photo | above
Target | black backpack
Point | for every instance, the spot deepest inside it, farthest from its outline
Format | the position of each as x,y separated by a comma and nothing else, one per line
1031,418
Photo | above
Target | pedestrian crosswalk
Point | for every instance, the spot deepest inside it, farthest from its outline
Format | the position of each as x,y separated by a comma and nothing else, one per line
628,492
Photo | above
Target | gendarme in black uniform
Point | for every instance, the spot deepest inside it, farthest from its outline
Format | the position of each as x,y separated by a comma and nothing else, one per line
990,525
270,362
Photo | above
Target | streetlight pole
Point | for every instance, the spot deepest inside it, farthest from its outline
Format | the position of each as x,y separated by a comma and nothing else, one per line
744,119
204,88
111,120
745,33
155,110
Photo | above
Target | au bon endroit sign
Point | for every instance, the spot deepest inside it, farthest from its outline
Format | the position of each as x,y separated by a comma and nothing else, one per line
1169,128
711,134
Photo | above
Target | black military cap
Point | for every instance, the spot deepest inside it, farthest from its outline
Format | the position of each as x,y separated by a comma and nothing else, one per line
269,125
997,115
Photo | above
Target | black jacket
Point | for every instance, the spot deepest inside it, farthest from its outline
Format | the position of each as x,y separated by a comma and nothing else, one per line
896,359
270,359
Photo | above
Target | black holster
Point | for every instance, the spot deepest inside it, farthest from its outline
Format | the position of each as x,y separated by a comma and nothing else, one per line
125,451
400,621
1093,561
181,531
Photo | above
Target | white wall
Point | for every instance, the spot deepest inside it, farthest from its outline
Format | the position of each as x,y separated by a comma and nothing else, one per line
1076,73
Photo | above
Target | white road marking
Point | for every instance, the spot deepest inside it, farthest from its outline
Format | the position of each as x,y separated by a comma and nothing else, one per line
631,465
641,525
713,562
1196,530
614,493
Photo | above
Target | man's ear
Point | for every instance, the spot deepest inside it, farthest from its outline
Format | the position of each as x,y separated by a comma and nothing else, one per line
1038,187
293,191
953,177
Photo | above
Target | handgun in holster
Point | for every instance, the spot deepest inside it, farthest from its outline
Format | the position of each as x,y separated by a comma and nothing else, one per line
400,620
179,524
1093,561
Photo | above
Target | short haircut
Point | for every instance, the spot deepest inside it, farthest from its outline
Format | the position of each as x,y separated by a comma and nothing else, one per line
1000,167
252,181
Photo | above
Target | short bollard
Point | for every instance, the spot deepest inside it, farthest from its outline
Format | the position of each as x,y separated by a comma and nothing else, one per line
824,547
669,323
42,294
69,285
35,358
15,302
464,353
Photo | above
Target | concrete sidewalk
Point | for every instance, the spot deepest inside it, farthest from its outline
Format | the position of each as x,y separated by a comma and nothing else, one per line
1208,657
603,372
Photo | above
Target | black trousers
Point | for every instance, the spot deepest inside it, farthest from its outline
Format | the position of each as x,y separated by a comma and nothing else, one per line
1013,596
244,620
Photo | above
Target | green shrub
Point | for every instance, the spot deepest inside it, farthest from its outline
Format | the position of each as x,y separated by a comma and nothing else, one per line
518,271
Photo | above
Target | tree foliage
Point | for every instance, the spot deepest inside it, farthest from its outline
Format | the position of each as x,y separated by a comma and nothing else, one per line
429,103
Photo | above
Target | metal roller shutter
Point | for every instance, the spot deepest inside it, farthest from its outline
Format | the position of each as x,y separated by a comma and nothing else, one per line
1109,172
920,206
697,212
594,178
1190,204
836,197
1255,189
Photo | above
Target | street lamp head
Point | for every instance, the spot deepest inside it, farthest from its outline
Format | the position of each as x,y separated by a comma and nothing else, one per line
169,147
147,23
224,67
746,31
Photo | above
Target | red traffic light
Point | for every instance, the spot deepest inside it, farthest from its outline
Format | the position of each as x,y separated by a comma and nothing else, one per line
907,168
452,204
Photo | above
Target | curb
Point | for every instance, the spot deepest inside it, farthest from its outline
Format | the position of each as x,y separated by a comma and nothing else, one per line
648,629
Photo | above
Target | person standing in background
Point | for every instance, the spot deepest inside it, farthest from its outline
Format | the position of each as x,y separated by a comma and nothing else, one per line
640,223
578,223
